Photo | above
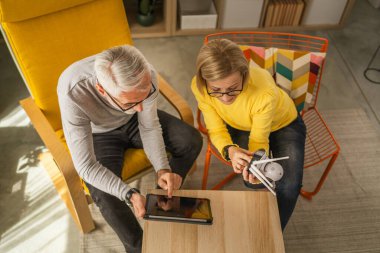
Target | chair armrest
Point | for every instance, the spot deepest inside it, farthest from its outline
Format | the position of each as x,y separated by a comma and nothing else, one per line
179,104
48,136
63,161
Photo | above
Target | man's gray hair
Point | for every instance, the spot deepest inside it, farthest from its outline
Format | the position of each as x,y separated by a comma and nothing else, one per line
120,69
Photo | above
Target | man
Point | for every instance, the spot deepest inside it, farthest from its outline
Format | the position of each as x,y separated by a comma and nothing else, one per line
108,104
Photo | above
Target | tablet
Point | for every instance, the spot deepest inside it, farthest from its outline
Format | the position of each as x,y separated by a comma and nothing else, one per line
178,209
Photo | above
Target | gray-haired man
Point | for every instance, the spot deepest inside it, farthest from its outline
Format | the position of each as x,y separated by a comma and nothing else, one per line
108,104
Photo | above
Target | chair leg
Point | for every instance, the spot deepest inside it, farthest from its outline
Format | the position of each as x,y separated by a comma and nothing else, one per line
77,205
206,167
228,178
309,195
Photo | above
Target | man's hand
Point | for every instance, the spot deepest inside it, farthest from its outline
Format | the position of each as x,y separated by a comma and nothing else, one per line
138,202
239,158
168,181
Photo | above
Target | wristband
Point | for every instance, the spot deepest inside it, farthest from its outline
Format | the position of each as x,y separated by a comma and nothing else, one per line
225,152
129,195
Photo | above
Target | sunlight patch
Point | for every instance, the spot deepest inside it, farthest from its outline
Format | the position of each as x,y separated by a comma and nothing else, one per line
17,118
43,225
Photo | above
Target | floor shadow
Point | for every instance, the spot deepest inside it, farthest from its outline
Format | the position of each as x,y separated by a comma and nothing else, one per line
19,147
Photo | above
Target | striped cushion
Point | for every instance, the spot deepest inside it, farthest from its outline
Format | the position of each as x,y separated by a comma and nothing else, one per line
259,57
294,71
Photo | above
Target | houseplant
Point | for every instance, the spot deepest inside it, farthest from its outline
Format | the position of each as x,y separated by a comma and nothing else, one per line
145,15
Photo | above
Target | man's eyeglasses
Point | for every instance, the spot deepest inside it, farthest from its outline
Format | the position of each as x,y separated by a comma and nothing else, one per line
218,94
129,106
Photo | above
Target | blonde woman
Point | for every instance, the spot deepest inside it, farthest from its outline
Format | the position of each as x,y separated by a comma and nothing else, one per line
244,111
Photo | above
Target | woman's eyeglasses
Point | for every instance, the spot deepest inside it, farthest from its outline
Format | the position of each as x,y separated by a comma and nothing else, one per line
129,106
218,94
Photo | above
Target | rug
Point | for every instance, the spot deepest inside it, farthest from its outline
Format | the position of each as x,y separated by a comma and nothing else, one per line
343,217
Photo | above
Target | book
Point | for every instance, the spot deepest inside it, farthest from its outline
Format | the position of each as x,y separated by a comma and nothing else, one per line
269,14
299,12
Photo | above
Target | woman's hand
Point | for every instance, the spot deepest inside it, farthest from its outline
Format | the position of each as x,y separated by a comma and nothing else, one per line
248,177
239,158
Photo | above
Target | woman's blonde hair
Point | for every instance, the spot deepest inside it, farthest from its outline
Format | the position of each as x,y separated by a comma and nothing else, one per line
218,59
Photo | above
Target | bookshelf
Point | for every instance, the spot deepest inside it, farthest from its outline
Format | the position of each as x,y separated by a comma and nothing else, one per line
167,20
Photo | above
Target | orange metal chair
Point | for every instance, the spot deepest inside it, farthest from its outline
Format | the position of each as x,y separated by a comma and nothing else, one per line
320,142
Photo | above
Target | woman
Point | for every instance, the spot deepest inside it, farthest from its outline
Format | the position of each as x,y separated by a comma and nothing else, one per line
244,111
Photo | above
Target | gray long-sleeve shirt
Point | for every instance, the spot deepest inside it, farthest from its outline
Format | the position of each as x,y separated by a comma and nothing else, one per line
84,111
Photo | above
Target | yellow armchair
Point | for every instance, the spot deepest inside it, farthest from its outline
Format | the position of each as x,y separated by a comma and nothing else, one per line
44,38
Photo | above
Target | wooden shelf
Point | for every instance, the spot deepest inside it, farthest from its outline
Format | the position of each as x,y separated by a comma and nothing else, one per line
161,26
157,29
167,21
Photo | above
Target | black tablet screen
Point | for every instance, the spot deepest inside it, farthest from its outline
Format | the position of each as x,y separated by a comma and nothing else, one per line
178,208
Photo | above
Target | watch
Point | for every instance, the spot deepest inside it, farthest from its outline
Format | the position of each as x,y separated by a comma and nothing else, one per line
129,195
225,152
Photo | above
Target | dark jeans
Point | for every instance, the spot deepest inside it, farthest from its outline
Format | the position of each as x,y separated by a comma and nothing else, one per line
288,141
181,140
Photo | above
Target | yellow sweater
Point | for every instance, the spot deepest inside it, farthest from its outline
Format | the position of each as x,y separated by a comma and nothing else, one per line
261,108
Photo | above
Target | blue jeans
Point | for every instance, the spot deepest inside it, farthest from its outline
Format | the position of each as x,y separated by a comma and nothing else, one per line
182,141
287,141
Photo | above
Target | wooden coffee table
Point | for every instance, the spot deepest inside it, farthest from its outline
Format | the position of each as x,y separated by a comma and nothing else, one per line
244,221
